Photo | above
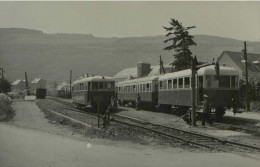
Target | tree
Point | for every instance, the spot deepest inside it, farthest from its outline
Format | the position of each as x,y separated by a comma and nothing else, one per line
5,86
181,41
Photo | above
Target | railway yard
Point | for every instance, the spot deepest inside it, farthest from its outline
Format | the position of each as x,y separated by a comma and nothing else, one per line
163,132
224,137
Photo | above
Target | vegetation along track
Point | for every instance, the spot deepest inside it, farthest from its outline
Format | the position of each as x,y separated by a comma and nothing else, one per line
192,138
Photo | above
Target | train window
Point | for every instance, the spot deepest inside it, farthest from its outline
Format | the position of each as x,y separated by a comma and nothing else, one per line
169,84
224,81
233,81
180,83
187,82
94,86
110,86
105,85
134,88
141,88
174,84
164,84
100,85
86,87
209,81
144,88
160,85
147,87
215,82
156,87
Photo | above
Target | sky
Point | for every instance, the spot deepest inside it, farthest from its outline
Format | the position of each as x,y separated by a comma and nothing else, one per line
238,20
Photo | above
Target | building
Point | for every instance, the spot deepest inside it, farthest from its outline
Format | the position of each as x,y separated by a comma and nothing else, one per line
63,88
37,83
237,61
141,70
18,85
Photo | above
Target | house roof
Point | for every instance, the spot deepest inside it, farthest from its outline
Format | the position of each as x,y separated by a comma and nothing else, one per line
237,57
17,82
36,80
127,72
155,70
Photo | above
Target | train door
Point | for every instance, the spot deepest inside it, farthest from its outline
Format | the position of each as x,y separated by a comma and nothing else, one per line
88,92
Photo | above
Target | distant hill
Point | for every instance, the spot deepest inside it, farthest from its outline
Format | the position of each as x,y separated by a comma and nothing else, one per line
52,56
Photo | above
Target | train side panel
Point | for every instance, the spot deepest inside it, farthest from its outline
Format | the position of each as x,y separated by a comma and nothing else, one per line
80,97
176,97
221,98
148,97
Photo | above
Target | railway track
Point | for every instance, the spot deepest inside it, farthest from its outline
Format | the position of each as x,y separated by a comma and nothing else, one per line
191,138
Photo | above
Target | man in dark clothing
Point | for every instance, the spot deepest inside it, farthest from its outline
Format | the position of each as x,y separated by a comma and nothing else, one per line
138,101
206,111
234,106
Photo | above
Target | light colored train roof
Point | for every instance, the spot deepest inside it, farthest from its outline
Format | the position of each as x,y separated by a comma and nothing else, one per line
139,80
209,70
93,78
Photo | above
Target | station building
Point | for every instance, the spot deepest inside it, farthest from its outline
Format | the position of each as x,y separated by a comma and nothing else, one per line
18,85
142,69
237,61
37,83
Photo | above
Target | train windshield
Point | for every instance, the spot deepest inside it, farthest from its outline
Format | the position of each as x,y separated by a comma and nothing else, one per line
213,81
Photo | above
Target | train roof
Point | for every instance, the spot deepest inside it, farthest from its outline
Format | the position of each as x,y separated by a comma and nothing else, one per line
138,80
93,78
209,70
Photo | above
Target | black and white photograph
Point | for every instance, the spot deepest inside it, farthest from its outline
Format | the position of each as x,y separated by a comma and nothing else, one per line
129,83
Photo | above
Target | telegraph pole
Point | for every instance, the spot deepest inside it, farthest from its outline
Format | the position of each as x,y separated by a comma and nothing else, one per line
161,66
2,72
70,83
193,92
247,86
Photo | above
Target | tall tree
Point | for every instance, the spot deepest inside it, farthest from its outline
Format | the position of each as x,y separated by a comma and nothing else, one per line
181,41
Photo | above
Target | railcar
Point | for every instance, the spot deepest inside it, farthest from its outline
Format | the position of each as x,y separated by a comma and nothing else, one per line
93,92
175,88
146,87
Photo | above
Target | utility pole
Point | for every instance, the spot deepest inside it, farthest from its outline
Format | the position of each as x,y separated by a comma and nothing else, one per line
247,86
2,72
27,84
70,83
194,69
161,66
193,91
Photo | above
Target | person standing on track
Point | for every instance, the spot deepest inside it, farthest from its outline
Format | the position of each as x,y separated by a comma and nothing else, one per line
138,101
206,111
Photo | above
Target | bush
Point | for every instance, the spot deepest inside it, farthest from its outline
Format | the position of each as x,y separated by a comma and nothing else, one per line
5,86
6,111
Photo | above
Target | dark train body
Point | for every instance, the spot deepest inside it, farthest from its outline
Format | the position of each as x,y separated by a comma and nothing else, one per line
174,89
91,91
41,93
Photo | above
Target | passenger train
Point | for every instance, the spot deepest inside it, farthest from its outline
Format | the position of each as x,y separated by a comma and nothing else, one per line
174,89
89,91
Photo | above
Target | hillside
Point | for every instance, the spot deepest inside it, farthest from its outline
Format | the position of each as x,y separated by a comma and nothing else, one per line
52,56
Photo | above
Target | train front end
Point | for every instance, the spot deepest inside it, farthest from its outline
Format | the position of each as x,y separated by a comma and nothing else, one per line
222,89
